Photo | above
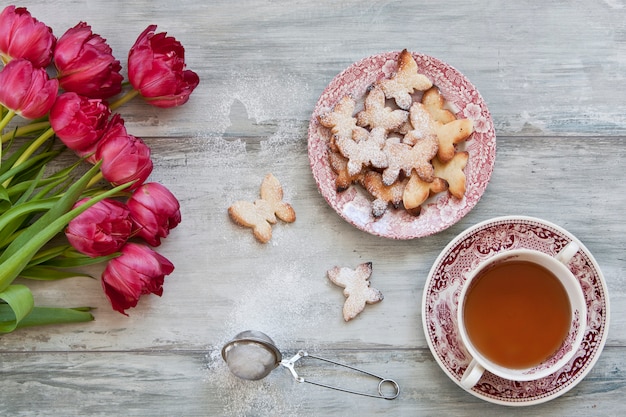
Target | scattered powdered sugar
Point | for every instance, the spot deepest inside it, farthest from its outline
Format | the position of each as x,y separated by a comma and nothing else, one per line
274,395
270,97
284,298
254,111
255,124
256,104
281,299
287,135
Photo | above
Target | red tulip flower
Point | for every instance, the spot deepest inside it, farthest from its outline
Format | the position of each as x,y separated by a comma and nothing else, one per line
154,211
27,90
101,230
125,158
23,36
79,121
156,69
138,270
86,64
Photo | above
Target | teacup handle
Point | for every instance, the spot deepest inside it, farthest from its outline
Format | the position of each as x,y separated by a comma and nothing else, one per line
472,374
567,253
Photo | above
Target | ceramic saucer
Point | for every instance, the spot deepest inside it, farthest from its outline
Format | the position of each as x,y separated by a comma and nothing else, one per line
440,300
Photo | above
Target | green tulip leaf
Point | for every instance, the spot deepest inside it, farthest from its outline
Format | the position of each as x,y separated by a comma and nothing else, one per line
11,159
48,254
20,303
14,218
5,200
73,262
29,166
40,316
17,255
44,273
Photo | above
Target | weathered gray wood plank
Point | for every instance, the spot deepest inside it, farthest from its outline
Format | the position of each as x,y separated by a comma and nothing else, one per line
552,68
197,383
551,76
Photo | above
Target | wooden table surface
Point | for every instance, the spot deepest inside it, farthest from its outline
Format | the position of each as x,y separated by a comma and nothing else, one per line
552,75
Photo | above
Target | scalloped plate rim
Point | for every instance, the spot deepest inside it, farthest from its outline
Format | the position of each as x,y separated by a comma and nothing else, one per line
394,223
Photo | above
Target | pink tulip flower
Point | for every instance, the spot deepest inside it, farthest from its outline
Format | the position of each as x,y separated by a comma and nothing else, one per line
101,230
27,90
79,121
23,36
86,64
125,158
154,211
138,270
156,69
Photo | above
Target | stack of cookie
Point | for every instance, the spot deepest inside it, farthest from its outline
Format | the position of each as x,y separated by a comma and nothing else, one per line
401,147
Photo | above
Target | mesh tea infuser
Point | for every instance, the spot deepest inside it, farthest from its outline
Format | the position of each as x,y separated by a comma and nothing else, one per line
252,355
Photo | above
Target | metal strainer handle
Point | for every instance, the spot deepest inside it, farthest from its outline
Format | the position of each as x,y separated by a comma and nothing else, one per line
290,365
253,355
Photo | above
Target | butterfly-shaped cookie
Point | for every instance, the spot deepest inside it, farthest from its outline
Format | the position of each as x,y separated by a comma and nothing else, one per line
406,158
377,115
357,290
366,149
260,215
434,102
340,120
452,172
405,81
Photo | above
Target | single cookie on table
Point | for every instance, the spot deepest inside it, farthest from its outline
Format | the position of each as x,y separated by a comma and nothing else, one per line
405,81
434,102
262,213
363,150
417,191
357,290
383,194
376,115
450,134
402,157
452,172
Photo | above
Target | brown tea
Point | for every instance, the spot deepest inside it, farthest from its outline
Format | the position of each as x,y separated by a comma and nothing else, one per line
517,314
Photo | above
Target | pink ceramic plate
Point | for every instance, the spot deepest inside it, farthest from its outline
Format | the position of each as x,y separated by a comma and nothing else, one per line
439,306
438,213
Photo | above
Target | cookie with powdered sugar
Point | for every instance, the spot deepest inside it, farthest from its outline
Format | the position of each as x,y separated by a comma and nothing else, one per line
377,115
405,158
356,288
405,81
261,214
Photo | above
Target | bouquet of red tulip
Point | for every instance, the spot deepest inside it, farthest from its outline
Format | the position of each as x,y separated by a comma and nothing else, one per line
41,116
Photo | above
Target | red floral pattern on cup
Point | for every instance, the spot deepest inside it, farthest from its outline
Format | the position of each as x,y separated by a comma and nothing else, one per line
462,255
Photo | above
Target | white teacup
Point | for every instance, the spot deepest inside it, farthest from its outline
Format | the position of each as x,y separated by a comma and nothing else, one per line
557,267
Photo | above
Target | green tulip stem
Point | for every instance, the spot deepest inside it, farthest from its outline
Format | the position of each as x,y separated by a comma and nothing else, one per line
25,130
131,94
30,151
6,119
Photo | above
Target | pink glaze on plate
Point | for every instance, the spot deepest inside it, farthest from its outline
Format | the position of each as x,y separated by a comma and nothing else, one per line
443,286
438,213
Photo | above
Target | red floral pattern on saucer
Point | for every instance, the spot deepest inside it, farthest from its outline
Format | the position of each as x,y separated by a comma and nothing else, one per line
443,286
438,213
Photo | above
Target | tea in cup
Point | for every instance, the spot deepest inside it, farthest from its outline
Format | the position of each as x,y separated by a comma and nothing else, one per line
522,315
